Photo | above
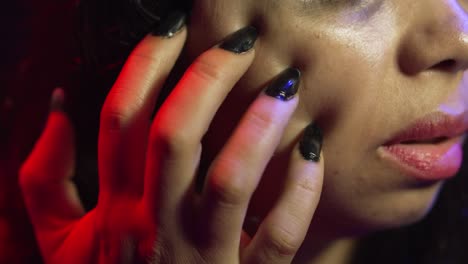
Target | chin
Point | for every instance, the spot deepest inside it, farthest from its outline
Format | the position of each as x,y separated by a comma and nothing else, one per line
405,207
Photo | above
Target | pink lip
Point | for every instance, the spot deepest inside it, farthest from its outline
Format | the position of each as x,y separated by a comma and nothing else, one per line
433,126
430,149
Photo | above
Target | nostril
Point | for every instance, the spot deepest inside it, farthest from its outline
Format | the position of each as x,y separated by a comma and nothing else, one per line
446,65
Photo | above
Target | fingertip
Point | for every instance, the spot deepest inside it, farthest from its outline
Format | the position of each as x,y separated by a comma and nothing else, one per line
58,118
307,159
241,41
311,142
57,100
170,26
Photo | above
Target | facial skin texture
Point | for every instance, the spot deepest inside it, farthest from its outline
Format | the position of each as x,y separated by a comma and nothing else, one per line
370,69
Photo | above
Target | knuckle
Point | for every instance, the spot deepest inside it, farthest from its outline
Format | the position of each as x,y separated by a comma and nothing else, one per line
282,242
308,185
24,178
207,69
114,118
171,139
29,180
260,120
140,55
226,185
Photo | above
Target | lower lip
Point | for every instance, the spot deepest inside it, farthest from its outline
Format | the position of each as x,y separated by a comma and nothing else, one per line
427,162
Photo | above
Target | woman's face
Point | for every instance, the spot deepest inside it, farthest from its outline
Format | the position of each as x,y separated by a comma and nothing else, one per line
370,69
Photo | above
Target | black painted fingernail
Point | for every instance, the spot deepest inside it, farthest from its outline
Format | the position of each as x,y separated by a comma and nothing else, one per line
57,100
240,41
285,86
311,143
171,25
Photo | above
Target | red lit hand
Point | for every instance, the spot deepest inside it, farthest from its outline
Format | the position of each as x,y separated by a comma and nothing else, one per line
147,209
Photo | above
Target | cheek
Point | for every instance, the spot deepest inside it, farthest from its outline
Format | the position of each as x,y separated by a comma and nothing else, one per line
342,66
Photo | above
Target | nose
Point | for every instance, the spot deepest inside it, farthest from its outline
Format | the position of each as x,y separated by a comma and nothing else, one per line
436,39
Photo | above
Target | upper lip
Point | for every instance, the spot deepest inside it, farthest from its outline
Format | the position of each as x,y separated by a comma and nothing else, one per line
432,128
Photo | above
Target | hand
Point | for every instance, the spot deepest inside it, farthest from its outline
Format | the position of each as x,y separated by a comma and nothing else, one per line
148,210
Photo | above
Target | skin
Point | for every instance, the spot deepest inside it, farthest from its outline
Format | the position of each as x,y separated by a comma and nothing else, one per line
368,71
148,209
360,63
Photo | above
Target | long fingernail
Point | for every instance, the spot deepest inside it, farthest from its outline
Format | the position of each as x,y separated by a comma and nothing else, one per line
285,86
57,100
311,143
171,25
240,41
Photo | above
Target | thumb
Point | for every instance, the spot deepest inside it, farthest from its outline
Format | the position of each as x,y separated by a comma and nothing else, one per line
45,177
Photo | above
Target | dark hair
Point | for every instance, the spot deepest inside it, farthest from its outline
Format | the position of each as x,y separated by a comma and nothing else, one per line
108,31
120,24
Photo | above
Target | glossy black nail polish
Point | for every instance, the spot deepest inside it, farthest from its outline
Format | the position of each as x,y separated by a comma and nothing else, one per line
285,86
240,41
171,25
311,143
57,100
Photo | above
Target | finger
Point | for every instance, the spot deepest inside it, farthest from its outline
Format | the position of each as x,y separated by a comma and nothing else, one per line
126,114
45,177
185,116
282,232
235,173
